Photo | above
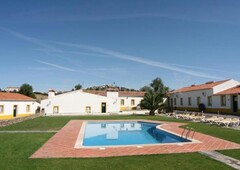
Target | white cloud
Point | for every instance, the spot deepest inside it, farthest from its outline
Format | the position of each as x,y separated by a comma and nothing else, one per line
139,60
56,66
105,52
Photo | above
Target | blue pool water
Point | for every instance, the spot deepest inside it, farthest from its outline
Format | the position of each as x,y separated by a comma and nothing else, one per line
126,133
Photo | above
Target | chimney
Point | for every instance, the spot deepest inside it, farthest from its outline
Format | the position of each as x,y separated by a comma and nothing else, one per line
51,93
112,93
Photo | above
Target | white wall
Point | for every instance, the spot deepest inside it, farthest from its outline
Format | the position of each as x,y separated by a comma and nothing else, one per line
113,101
75,103
127,101
216,99
21,107
203,94
224,86
217,102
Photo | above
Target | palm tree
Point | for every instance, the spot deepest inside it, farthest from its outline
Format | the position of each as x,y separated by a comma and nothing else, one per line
154,96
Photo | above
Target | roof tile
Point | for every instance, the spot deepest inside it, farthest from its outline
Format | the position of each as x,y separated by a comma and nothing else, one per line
14,97
204,86
234,90
121,93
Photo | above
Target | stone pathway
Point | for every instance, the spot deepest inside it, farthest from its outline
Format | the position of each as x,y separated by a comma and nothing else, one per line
28,131
62,144
234,163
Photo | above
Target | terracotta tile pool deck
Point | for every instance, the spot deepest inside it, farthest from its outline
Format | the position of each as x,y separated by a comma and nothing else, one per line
61,145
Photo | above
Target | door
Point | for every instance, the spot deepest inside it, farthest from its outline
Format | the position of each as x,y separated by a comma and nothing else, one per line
234,103
171,105
104,107
14,110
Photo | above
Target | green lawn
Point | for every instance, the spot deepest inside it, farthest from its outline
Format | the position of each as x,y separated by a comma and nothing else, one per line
15,149
57,122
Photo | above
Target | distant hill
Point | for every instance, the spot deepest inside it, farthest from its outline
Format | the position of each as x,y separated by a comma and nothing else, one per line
112,87
40,96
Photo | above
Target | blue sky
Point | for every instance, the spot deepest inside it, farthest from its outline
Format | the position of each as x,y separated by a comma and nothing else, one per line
57,44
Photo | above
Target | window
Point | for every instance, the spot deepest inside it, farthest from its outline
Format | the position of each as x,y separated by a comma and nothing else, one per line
175,101
28,108
198,100
55,109
122,102
88,109
223,100
209,100
189,101
132,102
181,101
1,109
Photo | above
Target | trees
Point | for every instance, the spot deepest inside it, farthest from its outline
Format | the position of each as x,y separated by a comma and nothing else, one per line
26,90
154,96
78,87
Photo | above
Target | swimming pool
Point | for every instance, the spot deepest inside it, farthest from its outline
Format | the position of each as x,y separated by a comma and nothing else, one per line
126,133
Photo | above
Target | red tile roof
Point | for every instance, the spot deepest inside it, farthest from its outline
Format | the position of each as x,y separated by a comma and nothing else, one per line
5,96
205,86
97,92
131,94
234,90
121,93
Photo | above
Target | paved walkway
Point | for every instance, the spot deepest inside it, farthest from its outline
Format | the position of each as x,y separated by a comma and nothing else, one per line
28,131
234,163
61,145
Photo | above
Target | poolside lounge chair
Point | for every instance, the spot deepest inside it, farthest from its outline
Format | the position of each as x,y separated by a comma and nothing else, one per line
226,122
198,116
171,114
235,121
216,120
180,115
188,115
208,119
213,119
229,122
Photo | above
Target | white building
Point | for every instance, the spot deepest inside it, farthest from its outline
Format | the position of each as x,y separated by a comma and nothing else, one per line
11,89
222,96
89,101
16,105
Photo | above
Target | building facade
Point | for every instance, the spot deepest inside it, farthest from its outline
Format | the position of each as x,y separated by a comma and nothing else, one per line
222,96
90,101
11,89
16,105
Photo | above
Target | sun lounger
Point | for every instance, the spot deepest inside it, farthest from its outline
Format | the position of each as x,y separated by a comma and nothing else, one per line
180,115
171,114
216,120
235,121
226,122
229,122
213,119
186,116
196,117
210,119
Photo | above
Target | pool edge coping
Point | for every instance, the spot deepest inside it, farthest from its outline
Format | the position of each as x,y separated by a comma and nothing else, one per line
80,138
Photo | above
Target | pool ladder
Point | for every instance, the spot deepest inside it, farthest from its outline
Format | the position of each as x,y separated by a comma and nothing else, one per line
187,131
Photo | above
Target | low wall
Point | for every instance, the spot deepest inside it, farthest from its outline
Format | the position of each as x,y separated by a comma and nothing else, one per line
18,119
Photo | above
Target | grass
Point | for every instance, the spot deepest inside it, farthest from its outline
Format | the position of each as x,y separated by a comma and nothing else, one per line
232,153
15,149
57,122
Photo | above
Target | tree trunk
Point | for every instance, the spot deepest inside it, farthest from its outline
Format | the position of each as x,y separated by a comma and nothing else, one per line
152,113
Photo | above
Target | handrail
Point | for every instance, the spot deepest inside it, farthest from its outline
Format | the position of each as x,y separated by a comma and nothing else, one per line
188,132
